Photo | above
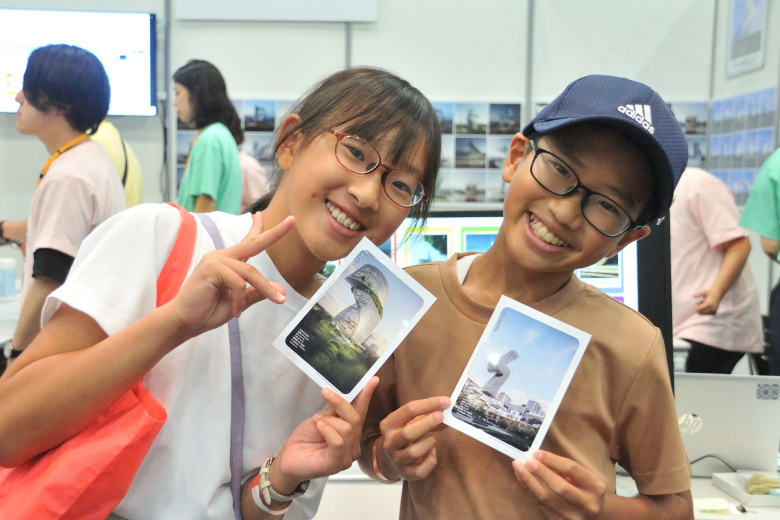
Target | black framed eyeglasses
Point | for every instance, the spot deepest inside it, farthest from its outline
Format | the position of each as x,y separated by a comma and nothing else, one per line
359,156
553,174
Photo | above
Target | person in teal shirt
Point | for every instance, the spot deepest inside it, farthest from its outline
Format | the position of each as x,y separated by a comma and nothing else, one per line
762,215
212,176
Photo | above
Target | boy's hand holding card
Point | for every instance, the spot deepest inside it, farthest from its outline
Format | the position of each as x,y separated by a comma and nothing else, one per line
516,378
355,321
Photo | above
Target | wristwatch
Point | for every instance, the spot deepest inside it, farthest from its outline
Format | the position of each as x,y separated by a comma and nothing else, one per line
9,351
263,493
299,491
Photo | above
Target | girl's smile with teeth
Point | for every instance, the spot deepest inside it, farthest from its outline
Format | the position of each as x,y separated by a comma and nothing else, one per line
343,219
542,232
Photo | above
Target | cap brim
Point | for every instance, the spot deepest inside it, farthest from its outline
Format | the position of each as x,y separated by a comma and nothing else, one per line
659,161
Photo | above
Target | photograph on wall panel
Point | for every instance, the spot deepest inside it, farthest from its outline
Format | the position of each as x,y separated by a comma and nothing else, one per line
497,150
259,145
471,118
259,115
747,34
504,118
447,152
470,152
692,116
468,186
495,187
444,113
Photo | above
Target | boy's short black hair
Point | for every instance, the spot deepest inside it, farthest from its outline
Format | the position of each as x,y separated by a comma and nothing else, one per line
68,78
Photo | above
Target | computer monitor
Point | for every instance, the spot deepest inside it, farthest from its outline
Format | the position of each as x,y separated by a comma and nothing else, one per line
124,42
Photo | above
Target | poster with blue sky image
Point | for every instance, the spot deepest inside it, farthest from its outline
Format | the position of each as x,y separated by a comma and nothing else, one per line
516,378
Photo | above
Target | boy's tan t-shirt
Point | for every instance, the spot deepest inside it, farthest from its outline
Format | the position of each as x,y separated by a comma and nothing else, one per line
619,405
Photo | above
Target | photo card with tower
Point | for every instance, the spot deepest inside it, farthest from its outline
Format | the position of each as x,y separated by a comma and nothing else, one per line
516,379
355,321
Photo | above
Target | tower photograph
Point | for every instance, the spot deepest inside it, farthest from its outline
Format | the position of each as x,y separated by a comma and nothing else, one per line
513,379
354,321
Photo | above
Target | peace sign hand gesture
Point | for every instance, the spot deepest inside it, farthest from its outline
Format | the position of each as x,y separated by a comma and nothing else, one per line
217,289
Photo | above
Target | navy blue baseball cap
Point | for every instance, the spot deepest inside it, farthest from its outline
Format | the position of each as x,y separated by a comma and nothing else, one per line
634,109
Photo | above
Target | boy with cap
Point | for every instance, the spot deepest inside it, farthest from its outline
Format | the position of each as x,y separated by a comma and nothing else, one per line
585,178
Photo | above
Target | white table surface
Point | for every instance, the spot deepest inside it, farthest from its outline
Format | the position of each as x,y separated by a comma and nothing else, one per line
704,488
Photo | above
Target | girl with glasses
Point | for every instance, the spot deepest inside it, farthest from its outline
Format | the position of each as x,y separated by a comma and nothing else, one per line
356,156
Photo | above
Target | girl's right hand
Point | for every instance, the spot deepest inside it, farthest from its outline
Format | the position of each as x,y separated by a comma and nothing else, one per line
217,289
407,448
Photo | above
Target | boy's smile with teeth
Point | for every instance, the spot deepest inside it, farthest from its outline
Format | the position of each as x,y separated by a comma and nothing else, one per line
343,219
542,232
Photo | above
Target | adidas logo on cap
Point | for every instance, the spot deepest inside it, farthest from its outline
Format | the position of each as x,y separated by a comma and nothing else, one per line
639,113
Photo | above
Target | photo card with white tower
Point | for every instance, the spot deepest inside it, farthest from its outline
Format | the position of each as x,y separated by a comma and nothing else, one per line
516,379
355,321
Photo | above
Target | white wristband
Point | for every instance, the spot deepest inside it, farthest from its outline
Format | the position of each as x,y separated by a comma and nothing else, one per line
258,497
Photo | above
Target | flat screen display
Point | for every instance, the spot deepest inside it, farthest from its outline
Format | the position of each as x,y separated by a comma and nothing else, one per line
444,236
124,42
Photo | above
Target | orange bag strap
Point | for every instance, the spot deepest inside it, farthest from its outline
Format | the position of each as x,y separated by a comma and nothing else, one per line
175,269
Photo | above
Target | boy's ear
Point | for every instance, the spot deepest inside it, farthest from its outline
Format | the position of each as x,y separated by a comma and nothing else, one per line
286,152
631,236
516,153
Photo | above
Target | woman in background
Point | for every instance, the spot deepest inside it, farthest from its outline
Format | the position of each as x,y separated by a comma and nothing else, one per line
212,176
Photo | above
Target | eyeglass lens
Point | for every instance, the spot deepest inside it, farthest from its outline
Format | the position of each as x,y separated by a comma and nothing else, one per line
603,213
360,156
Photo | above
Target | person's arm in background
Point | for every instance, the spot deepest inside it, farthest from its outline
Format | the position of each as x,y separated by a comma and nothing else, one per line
15,230
204,204
735,256
50,269
29,325
771,248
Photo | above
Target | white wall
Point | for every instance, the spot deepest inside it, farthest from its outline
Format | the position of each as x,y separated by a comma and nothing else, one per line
450,50
663,43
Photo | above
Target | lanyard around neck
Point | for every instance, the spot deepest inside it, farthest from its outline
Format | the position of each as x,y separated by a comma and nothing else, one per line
59,152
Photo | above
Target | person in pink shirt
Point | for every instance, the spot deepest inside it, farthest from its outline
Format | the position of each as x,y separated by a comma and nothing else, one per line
254,180
714,297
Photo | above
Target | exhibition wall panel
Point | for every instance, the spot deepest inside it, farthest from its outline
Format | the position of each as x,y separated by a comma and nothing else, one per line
664,43
450,50
765,272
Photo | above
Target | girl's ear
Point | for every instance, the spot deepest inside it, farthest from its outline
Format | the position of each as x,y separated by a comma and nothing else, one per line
516,153
286,152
